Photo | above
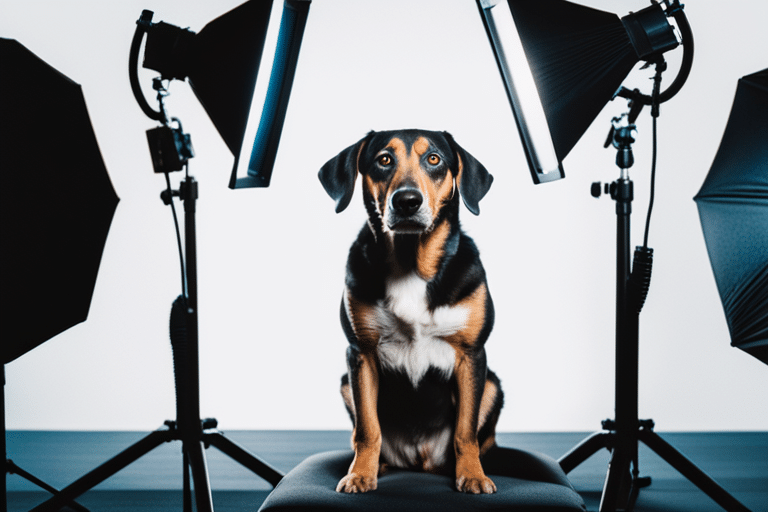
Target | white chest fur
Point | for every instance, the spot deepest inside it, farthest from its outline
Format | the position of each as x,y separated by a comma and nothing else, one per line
412,336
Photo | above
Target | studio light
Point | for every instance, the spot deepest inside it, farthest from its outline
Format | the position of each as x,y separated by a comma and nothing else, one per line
224,64
561,63
57,203
240,67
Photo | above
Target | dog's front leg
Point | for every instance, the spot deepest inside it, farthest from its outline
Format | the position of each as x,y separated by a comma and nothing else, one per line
366,436
470,377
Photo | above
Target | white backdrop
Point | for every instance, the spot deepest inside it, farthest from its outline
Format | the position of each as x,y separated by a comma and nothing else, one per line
271,261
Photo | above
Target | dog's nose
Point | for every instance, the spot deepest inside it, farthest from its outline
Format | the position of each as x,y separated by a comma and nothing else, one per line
407,201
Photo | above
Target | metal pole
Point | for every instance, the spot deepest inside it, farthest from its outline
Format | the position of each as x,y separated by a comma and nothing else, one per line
616,489
189,194
191,425
627,337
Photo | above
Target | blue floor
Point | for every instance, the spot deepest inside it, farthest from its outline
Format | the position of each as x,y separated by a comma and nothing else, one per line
737,461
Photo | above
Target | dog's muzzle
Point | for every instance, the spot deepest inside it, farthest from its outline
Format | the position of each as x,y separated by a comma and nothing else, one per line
406,213
407,202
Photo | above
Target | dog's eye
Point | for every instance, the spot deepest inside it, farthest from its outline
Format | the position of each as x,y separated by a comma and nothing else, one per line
433,159
385,160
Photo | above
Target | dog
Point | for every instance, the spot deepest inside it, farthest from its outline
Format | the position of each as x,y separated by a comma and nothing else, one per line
416,311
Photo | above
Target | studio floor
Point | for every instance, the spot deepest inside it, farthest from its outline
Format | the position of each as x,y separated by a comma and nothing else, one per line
738,461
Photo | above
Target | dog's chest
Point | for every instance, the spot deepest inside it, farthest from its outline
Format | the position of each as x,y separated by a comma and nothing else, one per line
411,335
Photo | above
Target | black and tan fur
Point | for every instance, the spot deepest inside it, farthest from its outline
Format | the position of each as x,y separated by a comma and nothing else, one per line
416,311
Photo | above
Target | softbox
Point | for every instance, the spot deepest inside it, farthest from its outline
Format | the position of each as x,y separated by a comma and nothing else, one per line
575,57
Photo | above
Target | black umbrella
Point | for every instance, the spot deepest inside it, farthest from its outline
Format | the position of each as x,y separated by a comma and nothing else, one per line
56,198
733,207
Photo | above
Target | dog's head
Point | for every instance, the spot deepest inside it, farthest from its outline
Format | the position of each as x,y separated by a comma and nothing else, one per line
408,177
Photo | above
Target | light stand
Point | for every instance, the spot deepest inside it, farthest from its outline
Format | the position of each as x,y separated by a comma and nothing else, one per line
194,433
70,217
622,435
171,150
561,62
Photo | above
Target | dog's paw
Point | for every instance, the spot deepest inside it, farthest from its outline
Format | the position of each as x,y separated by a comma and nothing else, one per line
355,482
475,485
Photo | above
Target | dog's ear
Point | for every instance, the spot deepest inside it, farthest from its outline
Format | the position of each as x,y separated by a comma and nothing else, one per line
338,175
472,177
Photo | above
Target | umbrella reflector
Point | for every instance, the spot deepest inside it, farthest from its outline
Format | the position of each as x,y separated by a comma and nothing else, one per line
733,208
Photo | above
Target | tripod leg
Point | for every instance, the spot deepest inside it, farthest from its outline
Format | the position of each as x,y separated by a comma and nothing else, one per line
618,483
241,455
584,450
13,469
197,462
187,486
109,468
690,471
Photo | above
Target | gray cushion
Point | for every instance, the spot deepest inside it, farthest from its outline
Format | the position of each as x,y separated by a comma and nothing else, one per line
525,481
